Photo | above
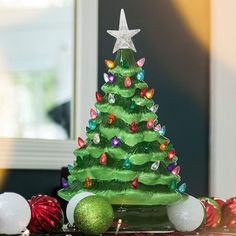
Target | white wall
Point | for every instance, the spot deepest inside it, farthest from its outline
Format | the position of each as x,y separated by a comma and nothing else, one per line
223,99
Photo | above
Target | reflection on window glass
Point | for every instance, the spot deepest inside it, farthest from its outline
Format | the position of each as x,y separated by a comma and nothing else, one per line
36,68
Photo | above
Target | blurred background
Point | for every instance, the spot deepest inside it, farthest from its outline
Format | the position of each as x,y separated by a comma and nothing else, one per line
52,60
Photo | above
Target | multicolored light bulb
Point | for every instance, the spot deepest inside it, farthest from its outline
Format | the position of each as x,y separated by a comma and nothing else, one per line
93,113
157,127
109,63
81,142
176,170
141,62
173,185
125,64
135,183
111,78
115,141
70,167
64,183
150,123
132,105
140,75
143,92
98,111
162,130
87,182
127,82
182,188
99,97
96,138
171,154
171,166
111,118
154,108
133,127
127,164
103,159
105,77
92,124
155,165
111,98
149,94
163,146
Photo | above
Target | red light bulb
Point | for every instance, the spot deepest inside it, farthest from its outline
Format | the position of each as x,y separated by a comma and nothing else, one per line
133,127
150,123
81,142
99,97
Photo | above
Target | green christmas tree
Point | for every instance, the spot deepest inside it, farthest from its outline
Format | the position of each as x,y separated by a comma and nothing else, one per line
126,157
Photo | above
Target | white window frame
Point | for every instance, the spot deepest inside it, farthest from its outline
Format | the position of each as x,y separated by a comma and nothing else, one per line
20,153
222,99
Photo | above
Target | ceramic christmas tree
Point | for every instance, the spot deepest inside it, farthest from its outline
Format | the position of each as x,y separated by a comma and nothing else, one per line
126,157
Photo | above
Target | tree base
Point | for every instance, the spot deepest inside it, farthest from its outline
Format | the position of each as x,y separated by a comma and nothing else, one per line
141,218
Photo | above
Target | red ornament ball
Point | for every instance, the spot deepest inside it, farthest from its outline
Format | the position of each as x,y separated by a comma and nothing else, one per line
212,213
46,214
229,213
220,202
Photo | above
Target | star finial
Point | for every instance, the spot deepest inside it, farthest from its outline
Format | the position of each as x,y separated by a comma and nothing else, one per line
123,35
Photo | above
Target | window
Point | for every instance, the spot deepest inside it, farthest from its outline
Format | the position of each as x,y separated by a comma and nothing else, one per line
47,57
36,68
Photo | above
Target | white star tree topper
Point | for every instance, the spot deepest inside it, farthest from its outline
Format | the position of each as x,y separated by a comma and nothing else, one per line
123,35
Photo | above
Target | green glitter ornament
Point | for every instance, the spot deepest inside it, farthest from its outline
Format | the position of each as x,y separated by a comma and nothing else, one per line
93,215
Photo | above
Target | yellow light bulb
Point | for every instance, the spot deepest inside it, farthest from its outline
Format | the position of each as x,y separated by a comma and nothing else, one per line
110,64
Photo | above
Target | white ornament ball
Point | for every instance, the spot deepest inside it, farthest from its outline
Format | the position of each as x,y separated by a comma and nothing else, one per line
186,215
15,213
72,204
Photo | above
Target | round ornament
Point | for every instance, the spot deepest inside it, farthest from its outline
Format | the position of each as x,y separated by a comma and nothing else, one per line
93,215
229,213
186,215
72,204
212,212
14,213
220,202
46,214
